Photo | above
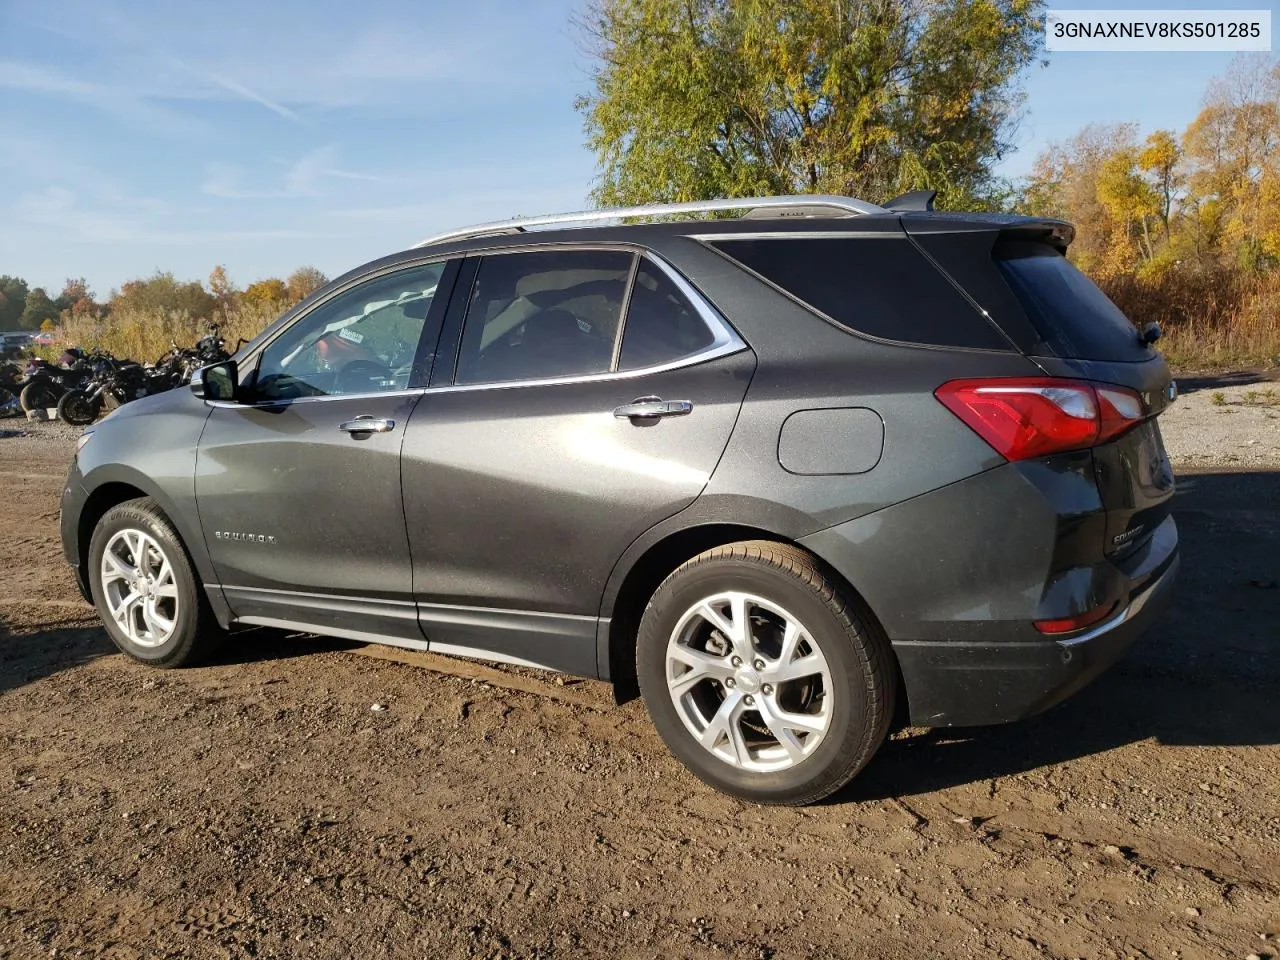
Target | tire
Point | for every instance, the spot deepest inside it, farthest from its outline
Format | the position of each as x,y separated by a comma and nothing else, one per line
178,598
77,409
38,396
832,700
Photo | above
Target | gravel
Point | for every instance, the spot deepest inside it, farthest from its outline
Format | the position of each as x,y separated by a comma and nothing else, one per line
1220,421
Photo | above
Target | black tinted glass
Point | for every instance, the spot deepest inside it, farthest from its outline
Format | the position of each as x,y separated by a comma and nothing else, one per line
537,315
878,286
662,326
1071,314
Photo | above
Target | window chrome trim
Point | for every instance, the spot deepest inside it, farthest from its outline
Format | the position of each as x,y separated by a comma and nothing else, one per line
285,401
725,341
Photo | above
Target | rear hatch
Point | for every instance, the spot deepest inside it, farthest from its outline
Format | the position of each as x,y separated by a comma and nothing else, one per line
1059,318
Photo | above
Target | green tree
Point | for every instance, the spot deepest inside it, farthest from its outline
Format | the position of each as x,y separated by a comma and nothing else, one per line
303,282
38,309
13,300
162,292
702,98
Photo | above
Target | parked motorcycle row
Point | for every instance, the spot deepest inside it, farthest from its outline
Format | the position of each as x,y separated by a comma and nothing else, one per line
82,386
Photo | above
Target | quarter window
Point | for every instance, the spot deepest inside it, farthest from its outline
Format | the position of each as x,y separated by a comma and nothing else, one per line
362,341
878,286
662,326
539,315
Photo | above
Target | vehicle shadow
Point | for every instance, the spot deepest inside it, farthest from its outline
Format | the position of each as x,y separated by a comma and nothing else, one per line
1216,381
1204,674
28,655
260,644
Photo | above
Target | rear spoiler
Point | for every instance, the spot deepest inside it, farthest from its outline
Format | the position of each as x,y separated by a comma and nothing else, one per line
1008,226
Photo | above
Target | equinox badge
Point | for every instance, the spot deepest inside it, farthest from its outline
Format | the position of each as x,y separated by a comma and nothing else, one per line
246,537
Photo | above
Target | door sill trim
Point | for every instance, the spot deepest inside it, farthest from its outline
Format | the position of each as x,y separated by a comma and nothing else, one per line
324,631
474,653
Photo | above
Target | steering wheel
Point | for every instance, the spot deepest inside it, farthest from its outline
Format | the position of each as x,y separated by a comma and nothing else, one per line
356,376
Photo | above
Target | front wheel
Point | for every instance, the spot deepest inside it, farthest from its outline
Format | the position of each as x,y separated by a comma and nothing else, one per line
38,395
145,589
762,676
78,409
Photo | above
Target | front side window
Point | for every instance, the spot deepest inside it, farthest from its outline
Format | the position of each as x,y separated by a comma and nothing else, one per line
362,341
546,314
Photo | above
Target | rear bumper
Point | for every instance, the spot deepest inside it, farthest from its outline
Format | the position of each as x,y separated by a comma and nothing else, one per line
972,684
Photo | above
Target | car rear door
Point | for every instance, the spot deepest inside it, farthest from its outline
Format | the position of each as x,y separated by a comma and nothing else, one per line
593,395
298,488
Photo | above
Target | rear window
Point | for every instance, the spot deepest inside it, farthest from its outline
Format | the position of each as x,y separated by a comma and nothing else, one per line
1070,313
879,286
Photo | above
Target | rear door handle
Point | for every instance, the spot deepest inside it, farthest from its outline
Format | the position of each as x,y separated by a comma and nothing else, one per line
651,408
368,425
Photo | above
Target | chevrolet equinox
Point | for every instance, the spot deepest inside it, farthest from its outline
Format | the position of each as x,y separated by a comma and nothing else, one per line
791,474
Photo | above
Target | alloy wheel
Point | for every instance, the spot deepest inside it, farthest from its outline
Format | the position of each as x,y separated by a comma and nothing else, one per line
749,682
139,587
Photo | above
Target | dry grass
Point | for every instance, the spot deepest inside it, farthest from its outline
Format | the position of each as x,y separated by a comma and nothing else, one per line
1212,318
146,335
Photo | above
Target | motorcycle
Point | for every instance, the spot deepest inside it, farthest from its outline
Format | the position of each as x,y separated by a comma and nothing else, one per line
46,383
111,384
10,387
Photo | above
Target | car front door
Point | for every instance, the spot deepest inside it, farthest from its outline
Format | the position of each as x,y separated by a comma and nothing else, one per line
594,393
298,485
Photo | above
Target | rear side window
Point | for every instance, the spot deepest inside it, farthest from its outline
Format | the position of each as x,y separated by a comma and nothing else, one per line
1070,313
661,326
879,286
536,315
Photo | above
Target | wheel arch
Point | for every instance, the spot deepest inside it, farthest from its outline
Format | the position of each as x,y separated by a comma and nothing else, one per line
116,484
632,589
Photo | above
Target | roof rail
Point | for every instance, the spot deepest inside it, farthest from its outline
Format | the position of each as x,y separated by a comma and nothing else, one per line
796,206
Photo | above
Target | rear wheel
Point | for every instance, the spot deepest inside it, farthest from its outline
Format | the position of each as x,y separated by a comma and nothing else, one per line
38,396
762,676
145,589
77,409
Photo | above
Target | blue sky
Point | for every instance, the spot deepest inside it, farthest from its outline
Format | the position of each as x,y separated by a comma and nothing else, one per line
138,135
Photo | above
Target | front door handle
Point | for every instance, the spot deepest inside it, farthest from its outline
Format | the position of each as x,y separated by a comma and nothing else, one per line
651,408
367,424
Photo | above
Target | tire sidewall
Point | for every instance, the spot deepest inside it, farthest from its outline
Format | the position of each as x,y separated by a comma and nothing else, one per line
850,719
81,403
134,516
34,393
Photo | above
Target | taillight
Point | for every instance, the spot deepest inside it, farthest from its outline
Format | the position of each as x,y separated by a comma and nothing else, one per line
1023,418
1078,622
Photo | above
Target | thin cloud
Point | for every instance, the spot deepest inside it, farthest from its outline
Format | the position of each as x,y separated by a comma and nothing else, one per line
240,89
121,102
304,178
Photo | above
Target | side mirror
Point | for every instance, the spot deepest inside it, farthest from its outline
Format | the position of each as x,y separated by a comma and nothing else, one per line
216,382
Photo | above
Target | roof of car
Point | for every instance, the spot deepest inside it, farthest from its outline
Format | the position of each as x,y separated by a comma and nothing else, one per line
762,215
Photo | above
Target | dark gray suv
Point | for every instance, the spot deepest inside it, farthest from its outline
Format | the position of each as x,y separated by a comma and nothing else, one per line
793,474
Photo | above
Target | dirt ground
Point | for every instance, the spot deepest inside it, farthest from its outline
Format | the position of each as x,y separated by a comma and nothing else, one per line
263,807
